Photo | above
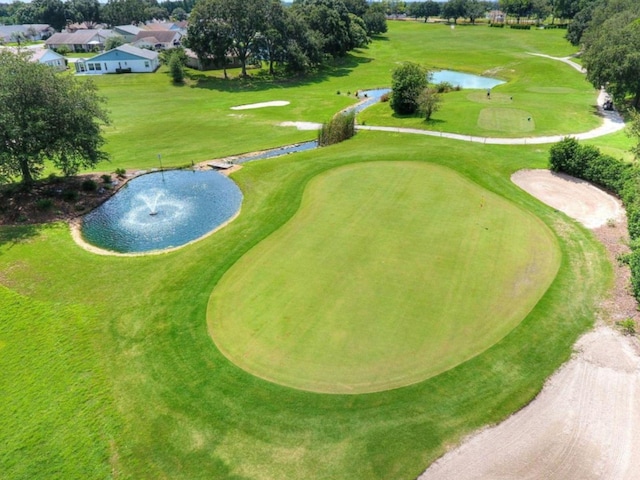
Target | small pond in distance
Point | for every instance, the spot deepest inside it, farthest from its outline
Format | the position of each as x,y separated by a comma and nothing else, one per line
464,80
162,210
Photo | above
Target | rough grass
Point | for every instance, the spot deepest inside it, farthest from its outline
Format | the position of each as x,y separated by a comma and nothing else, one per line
388,274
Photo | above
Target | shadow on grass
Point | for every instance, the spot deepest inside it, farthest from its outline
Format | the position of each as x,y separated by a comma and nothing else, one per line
14,235
263,81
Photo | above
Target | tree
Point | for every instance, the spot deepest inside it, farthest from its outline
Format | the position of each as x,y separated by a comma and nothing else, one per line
516,8
474,9
275,37
331,19
52,12
633,131
407,83
114,41
429,102
179,14
45,116
245,20
454,9
176,67
611,53
83,11
208,35
376,22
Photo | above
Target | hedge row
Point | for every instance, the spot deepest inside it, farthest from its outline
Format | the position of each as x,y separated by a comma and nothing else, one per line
520,27
623,179
340,128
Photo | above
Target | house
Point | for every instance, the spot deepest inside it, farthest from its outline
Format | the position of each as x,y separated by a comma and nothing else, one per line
208,63
49,57
128,32
80,40
122,59
42,55
157,39
31,31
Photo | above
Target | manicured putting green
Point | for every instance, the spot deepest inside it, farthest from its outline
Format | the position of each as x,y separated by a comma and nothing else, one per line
506,120
389,273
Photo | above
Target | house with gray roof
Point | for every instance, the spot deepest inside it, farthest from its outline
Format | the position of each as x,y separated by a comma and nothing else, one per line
122,59
80,40
30,31
157,39
128,32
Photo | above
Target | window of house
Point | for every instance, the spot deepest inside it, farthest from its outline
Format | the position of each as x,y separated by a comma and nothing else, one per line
146,64
91,67
98,66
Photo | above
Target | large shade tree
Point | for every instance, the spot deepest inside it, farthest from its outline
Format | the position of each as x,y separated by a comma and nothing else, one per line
45,116
612,50
408,81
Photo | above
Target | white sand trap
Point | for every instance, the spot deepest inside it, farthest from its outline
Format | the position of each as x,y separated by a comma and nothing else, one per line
584,425
302,125
275,103
577,198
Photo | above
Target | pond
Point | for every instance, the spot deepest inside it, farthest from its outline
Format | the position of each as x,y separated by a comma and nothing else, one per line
162,210
464,80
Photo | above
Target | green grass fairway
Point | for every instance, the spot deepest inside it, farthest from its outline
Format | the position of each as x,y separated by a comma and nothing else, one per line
506,120
388,274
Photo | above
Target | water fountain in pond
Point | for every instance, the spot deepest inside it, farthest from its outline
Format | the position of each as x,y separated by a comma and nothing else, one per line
155,213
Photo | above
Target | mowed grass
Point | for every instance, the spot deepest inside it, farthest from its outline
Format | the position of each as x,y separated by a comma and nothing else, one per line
388,274
194,122
108,370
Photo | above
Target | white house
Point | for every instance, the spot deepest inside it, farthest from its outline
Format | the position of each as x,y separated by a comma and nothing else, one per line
157,39
122,59
128,32
50,58
80,40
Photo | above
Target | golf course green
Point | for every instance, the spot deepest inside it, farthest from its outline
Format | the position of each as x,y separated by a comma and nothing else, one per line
388,274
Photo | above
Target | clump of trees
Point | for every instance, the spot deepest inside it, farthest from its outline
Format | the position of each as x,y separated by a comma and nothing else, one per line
610,42
297,39
46,117
411,93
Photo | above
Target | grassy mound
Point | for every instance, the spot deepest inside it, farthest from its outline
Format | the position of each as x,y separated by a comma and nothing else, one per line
388,274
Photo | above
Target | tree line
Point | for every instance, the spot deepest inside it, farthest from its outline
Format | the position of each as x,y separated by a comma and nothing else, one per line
59,13
297,38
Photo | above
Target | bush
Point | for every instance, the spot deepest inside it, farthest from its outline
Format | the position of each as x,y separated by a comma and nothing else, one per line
176,68
617,176
407,83
340,128
89,185
520,27
44,204
106,178
70,195
628,326
497,25
121,172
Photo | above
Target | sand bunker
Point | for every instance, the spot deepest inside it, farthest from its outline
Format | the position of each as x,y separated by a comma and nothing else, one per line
579,199
302,125
584,424
275,103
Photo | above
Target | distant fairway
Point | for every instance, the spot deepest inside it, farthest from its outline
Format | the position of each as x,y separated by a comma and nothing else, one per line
388,274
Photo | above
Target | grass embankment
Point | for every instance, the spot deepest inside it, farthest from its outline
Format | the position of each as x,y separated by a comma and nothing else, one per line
388,274
152,397
187,412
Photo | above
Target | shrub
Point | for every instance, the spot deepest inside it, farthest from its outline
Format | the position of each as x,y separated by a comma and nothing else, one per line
89,185
497,25
628,326
341,127
70,195
121,172
407,83
106,178
520,27
44,204
176,68
621,178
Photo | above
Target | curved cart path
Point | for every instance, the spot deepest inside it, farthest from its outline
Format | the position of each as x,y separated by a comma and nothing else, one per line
612,122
